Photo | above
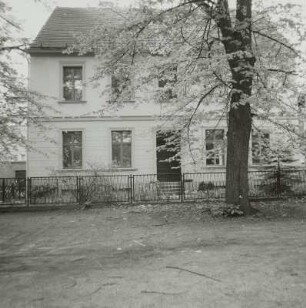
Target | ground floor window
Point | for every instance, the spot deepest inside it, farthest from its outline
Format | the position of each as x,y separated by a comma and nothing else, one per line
214,145
260,147
122,148
72,150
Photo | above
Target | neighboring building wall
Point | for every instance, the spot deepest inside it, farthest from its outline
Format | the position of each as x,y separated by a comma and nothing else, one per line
9,169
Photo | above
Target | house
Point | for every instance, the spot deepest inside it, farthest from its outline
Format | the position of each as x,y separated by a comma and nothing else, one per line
83,136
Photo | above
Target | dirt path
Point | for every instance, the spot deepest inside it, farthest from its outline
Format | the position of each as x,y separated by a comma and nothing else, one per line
139,257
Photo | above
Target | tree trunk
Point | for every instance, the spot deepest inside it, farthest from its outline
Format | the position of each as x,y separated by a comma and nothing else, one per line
238,136
237,41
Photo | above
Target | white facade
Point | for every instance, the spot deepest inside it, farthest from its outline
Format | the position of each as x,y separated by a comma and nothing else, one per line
96,123
46,158
141,119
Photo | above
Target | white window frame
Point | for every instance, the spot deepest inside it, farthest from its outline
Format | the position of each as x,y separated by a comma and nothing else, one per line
62,148
111,147
71,64
222,157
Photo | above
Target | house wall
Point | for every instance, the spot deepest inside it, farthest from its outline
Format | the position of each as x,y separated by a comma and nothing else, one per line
46,159
45,77
96,147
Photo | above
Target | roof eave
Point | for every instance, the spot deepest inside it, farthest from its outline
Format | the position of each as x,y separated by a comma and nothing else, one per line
45,51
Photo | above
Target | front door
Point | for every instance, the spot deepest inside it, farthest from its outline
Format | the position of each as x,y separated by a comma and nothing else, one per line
168,161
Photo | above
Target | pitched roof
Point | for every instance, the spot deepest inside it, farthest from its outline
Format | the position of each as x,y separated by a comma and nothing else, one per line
64,23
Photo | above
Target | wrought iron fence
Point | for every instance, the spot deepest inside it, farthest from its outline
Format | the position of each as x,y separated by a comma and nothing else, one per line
277,183
204,185
12,191
147,187
53,190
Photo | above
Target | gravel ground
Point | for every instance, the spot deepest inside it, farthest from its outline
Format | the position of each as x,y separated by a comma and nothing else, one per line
175,255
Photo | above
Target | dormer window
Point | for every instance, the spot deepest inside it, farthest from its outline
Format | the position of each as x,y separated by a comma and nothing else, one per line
73,83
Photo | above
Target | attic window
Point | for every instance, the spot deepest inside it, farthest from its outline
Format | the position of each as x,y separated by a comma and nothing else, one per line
72,83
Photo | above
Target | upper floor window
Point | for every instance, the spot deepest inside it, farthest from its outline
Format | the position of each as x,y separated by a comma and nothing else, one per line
122,148
72,150
72,83
214,147
167,78
260,147
121,85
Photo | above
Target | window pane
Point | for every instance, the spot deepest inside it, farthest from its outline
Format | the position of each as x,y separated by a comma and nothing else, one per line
126,137
116,137
116,155
68,93
77,72
68,73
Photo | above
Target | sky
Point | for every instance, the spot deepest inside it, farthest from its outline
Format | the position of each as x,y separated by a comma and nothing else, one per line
32,14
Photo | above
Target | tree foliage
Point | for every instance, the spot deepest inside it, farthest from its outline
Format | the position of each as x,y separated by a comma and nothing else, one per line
18,106
216,62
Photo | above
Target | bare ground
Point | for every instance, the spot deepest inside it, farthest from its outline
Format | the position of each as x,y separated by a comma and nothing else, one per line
154,256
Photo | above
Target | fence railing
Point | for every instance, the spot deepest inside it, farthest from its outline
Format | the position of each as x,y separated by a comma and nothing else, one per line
145,188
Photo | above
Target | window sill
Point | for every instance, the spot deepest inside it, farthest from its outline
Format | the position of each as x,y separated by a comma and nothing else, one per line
114,169
215,166
97,170
70,170
72,102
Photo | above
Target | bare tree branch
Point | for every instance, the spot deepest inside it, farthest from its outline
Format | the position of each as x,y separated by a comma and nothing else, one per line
276,40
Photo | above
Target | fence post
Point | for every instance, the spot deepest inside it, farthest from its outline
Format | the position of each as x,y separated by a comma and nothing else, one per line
3,190
77,189
182,187
278,182
28,192
131,188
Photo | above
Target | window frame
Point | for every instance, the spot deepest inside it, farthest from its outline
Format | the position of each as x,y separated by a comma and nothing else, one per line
71,64
221,154
131,147
62,148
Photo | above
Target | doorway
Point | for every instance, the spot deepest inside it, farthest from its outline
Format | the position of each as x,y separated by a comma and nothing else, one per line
167,154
